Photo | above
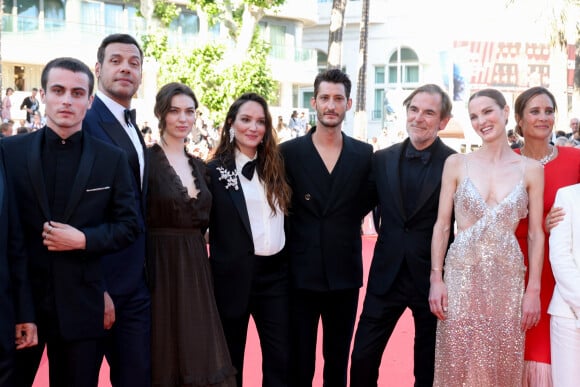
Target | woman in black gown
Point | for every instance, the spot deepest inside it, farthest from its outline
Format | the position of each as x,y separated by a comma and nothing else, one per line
187,344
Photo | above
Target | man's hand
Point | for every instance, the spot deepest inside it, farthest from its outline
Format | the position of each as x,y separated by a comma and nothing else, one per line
62,237
109,312
554,217
26,335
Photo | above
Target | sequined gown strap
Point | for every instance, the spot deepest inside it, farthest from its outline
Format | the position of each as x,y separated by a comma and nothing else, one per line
480,342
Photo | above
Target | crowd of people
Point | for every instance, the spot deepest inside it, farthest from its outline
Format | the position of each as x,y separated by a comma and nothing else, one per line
116,246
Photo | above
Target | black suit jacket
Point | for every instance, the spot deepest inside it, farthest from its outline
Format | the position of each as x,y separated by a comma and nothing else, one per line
231,244
15,298
101,205
404,237
324,241
124,270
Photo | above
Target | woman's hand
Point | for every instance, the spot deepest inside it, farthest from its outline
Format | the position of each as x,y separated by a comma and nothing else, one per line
438,299
530,310
554,217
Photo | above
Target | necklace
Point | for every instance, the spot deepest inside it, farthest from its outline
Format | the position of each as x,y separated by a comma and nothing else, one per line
547,158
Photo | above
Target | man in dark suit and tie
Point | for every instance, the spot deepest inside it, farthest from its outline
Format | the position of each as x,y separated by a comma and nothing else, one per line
75,202
408,180
328,173
16,307
119,71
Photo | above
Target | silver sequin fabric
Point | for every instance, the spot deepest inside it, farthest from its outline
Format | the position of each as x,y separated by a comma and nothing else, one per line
481,342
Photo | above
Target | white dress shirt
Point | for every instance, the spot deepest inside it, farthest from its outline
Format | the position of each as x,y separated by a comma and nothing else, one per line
267,227
118,111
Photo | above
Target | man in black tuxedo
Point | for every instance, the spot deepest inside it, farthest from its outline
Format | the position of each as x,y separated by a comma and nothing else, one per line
127,348
328,172
16,307
75,202
408,180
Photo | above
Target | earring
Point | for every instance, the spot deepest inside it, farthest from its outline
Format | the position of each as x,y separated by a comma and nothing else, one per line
232,131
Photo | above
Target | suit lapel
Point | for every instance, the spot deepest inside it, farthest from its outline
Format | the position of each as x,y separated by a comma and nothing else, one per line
34,161
345,165
81,179
237,196
392,160
433,177
313,169
117,133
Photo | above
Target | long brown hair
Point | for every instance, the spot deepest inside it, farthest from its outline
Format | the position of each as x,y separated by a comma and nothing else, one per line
270,167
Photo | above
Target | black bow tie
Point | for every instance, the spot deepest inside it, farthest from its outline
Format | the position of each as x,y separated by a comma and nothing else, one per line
249,168
424,156
130,117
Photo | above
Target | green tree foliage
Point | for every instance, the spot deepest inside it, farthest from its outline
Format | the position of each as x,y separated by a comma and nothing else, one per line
217,73
217,87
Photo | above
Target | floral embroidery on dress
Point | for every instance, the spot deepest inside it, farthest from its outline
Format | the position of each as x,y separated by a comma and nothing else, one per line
230,177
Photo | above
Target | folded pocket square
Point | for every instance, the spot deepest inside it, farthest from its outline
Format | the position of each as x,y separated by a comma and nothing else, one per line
98,189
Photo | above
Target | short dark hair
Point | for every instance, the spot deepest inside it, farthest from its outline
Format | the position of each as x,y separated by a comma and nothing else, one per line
431,88
333,76
164,97
67,63
117,38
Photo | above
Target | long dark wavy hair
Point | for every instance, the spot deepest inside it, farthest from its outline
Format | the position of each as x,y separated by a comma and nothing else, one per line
270,167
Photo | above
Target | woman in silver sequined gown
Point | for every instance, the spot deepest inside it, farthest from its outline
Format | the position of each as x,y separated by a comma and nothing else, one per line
480,301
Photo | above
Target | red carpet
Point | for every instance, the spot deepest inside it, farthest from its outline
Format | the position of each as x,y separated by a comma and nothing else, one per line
396,367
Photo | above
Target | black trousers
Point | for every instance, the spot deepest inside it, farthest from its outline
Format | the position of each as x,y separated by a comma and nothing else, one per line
6,368
71,363
127,345
337,310
378,320
269,306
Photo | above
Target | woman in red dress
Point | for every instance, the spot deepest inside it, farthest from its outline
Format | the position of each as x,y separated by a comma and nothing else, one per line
535,112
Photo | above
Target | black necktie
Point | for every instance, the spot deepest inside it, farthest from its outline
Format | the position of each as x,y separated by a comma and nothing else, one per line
411,154
130,117
249,168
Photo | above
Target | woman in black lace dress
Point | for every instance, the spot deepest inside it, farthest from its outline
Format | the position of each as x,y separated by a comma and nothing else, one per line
187,343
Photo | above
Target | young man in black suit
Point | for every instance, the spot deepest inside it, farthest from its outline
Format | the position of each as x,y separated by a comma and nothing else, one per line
75,202
328,173
16,307
408,180
127,348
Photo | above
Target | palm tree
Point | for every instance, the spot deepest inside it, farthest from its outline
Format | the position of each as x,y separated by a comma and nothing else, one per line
335,34
360,114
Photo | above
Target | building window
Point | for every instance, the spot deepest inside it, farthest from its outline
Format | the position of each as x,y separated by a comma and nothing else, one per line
114,17
54,16
404,68
278,41
135,22
380,74
186,24
91,15
28,12
378,105
7,23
